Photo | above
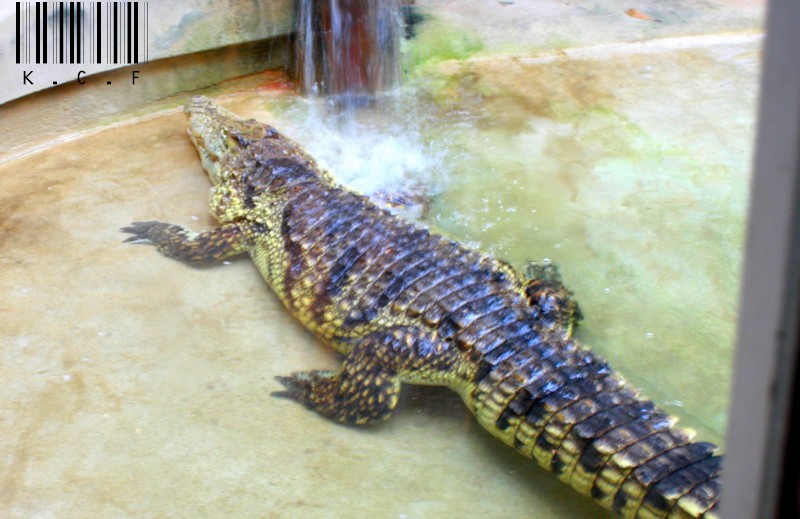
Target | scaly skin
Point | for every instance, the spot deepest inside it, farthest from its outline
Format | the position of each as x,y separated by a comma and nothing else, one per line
406,306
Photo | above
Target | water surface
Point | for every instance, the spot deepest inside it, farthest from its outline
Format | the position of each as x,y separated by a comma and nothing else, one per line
136,386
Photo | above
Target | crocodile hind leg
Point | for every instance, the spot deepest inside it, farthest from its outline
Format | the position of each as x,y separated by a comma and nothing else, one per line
553,304
366,388
179,243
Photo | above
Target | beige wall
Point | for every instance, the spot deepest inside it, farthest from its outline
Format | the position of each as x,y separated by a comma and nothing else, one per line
175,28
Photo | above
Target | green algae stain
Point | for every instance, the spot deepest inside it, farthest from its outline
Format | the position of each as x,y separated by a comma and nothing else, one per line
437,41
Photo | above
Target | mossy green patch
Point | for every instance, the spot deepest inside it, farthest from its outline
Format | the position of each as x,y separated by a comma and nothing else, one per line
437,41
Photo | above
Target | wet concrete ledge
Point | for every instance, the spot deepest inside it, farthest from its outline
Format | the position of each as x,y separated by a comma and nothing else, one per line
36,120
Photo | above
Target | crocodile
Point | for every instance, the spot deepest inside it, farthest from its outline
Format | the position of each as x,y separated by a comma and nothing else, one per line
405,305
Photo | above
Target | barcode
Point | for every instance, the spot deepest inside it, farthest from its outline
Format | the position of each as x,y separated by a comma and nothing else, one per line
82,32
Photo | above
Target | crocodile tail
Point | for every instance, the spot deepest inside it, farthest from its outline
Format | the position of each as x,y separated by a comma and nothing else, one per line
633,460
563,406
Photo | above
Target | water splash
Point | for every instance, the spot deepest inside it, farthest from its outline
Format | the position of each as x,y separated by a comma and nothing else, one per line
354,119
381,154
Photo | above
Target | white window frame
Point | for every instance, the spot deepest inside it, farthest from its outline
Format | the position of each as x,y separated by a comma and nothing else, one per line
766,356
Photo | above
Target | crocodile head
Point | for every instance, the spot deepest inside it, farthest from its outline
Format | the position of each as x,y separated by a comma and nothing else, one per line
220,137
232,148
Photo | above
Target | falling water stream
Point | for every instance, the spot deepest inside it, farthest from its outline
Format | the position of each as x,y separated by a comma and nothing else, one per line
348,49
363,126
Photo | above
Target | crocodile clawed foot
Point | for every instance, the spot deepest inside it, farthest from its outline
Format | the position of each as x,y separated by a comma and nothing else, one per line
344,397
300,386
145,232
546,271
551,301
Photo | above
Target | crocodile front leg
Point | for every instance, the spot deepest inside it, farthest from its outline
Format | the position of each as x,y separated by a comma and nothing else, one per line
179,243
366,388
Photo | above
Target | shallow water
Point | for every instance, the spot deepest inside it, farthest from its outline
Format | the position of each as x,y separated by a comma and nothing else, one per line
138,386
639,198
